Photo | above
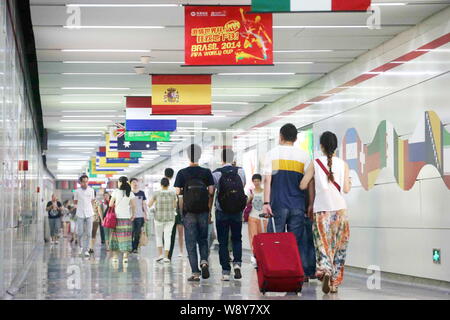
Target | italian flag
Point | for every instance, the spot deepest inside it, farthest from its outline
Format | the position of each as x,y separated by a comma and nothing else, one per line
309,5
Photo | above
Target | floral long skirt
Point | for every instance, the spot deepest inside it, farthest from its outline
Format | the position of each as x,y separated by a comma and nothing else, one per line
331,234
121,236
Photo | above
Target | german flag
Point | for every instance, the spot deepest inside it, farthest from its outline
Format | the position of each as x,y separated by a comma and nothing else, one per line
181,94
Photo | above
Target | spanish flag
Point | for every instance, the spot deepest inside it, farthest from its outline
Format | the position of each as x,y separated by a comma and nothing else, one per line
181,94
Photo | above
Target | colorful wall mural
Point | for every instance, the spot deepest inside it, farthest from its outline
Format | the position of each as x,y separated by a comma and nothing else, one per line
429,144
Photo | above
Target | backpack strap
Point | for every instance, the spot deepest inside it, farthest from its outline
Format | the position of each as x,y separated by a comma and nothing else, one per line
338,187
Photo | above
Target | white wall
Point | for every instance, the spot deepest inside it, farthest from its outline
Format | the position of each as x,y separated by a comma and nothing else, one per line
390,227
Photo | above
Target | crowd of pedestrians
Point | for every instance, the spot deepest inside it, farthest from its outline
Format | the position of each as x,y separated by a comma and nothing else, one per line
302,195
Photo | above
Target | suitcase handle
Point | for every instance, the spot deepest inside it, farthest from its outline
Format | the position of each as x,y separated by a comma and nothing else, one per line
271,218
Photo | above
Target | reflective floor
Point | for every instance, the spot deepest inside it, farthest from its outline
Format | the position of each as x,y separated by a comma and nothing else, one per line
60,273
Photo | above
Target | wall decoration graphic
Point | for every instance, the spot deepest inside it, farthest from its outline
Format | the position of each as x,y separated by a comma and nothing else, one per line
429,144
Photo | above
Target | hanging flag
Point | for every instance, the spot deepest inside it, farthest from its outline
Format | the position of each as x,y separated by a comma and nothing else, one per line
102,163
94,171
227,35
138,117
181,94
161,136
120,129
135,145
123,160
138,121
309,5
110,154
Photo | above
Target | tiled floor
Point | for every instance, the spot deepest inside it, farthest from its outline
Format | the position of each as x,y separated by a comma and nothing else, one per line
59,273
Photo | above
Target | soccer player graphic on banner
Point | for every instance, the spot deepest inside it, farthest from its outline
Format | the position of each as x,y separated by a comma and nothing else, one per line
254,33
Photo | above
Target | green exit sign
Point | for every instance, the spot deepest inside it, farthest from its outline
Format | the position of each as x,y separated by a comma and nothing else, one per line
437,256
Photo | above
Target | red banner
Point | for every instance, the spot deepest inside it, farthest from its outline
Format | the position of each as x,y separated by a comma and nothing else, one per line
227,35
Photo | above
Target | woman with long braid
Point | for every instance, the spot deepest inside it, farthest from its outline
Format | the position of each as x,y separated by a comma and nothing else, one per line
330,223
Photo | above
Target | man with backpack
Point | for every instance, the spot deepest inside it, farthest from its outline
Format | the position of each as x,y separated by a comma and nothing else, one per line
230,204
195,187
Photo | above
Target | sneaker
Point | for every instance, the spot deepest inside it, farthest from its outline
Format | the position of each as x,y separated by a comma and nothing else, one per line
253,261
56,242
225,277
180,255
160,258
237,272
166,260
205,271
87,254
91,251
134,251
194,278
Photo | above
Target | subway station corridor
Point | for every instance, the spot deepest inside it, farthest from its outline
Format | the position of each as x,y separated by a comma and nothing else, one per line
305,142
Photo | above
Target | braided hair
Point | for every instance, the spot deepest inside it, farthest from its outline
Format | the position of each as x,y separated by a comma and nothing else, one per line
125,186
328,141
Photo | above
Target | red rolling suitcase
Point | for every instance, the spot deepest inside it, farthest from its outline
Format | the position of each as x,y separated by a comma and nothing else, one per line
279,265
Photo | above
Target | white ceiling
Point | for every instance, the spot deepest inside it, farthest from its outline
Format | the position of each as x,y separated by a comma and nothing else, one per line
166,45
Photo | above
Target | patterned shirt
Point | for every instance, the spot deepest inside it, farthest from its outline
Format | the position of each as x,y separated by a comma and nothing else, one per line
165,205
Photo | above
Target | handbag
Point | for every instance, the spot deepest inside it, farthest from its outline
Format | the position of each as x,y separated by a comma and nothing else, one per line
248,209
110,220
143,240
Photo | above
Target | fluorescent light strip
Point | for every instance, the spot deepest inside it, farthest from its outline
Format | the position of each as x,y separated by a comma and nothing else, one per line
90,110
90,102
93,88
303,50
236,95
230,102
113,27
96,116
77,148
389,3
294,62
73,159
85,120
82,135
322,27
100,5
100,61
98,74
64,131
102,50
256,74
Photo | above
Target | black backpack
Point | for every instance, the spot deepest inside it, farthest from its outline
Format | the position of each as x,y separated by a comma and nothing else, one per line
195,195
231,195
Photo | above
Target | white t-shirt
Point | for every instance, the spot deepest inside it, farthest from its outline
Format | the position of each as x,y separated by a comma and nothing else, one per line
122,204
84,206
257,203
328,198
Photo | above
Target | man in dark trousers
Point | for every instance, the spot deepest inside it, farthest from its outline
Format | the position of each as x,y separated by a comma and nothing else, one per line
168,173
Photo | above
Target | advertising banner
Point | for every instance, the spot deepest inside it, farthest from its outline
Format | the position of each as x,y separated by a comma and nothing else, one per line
227,35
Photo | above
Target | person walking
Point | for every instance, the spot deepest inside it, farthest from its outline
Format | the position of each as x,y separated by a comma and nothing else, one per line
54,210
231,200
330,223
195,187
125,207
96,224
141,214
178,226
256,199
284,201
165,202
84,200
105,232
65,213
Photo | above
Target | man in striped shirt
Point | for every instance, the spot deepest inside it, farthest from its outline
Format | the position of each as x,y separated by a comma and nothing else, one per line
283,200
